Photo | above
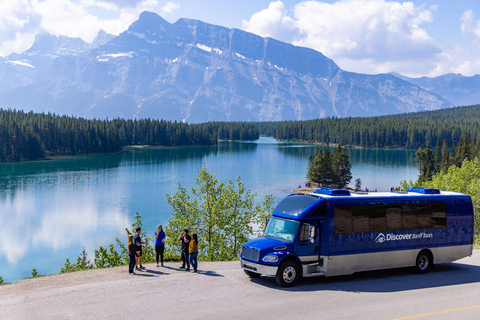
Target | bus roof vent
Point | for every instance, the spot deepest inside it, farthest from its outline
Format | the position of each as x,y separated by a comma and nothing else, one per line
424,190
332,192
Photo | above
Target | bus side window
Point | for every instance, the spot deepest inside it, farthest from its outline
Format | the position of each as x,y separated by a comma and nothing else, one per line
393,218
439,215
321,211
424,216
409,217
360,217
377,218
343,219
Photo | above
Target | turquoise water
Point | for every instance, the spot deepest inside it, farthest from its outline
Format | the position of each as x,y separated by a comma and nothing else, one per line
50,210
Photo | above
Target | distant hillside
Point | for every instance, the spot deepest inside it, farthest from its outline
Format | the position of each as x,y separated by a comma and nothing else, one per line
196,72
410,130
458,89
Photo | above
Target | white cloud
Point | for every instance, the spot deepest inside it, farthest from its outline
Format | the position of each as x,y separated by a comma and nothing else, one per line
21,20
18,25
365,36
469,24
273,22
170,7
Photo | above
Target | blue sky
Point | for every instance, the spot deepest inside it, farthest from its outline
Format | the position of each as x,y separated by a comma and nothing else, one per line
416,38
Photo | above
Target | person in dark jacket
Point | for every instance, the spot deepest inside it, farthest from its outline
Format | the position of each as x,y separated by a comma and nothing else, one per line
185,238
138,242
132,253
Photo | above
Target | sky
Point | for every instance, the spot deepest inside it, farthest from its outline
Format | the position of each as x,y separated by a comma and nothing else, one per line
415,38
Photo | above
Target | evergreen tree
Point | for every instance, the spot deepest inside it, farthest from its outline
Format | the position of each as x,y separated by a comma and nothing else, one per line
463,151
314,169
426,163
341,168
437,158
445,157
358,184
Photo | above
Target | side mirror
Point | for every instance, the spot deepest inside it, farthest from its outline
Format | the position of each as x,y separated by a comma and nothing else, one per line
307,233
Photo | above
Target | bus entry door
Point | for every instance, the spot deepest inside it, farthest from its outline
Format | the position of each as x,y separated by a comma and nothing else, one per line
308,248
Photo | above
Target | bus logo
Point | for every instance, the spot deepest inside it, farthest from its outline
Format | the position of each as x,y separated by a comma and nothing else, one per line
380,238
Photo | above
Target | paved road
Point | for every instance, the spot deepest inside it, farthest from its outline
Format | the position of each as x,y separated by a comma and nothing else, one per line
223,291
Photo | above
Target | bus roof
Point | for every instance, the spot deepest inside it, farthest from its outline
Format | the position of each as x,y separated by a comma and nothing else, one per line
391,195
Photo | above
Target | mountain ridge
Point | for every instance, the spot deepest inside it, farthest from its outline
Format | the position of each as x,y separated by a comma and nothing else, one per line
458,89
197,72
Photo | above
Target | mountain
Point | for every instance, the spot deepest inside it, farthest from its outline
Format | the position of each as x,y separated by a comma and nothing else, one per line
458,89
196,72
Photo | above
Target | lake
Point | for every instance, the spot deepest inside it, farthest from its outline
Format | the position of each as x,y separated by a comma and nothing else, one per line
50,210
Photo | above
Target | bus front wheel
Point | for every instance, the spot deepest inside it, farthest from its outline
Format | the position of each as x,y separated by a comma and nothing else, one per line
287,274
424,262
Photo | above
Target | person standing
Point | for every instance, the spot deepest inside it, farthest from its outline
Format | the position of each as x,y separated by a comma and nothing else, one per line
193,252
185,238
138,242
132,253
159,243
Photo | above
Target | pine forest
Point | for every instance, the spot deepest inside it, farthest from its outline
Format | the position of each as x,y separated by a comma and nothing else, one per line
32,136
410,130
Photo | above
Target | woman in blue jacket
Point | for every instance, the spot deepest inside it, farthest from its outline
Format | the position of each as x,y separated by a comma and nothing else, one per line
159,243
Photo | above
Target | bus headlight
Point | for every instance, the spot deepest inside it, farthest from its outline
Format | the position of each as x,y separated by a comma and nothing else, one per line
270,258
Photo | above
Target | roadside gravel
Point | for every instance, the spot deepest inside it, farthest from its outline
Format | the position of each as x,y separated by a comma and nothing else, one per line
221,290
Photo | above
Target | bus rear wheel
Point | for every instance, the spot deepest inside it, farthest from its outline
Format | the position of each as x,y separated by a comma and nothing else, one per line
252,274
287,274
424,262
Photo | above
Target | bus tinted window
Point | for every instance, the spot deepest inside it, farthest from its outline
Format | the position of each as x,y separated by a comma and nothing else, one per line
295,204
393,218
439,215
409,219
424,216
379,218
320,211
360,219
343,220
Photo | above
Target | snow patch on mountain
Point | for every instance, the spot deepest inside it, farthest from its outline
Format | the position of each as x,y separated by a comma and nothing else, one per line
204,47
20,63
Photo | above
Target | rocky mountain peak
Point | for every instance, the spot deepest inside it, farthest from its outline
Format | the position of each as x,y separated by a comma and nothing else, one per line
197,72
48,44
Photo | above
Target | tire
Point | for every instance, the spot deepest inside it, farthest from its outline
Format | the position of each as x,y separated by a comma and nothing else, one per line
252,274
287,274
424,262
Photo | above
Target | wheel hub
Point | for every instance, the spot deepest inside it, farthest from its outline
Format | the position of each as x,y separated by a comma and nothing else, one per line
289,274
423,262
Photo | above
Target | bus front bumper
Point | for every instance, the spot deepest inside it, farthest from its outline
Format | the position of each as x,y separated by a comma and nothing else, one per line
269,271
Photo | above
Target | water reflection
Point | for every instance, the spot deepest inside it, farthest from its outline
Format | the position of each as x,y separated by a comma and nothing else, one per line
39,222
357,156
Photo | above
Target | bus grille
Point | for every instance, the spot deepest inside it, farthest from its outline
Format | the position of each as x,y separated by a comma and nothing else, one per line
250,254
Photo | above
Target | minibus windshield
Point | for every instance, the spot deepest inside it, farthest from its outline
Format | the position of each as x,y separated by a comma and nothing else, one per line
281,229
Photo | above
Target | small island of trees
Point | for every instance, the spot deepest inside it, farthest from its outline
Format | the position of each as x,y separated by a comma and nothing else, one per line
329,170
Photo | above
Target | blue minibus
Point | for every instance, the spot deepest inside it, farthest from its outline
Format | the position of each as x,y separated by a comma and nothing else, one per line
333,232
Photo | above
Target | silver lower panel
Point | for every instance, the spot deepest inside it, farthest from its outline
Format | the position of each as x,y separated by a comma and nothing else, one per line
269,271
348,264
